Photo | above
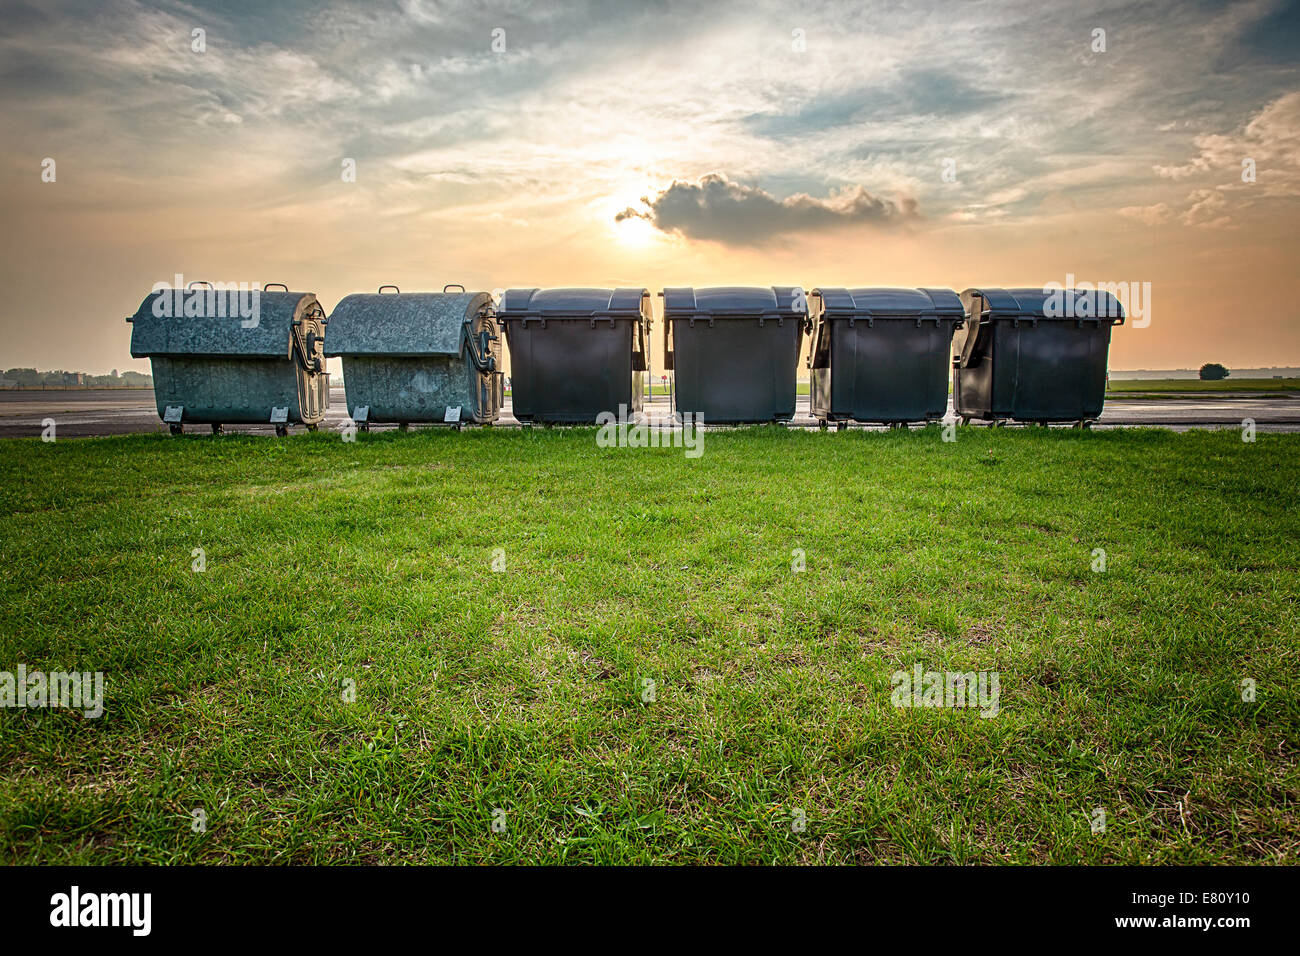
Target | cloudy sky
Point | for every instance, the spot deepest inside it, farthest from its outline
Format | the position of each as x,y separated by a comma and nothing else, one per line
652,144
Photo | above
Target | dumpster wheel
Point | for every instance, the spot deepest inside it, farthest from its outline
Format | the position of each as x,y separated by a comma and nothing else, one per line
821,423
840,426
176,429
281,431
312,428
217,429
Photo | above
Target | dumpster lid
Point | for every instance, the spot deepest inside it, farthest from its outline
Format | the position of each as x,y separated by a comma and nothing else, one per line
231,322
740,301
887,302
402,323
577,303
1047,303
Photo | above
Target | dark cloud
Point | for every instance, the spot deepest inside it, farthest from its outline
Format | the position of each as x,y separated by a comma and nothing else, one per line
911,93
724,211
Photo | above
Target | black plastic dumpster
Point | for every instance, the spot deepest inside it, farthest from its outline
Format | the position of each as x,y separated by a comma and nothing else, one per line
575,353
881,355
230,356
418,356
1033,355
734,351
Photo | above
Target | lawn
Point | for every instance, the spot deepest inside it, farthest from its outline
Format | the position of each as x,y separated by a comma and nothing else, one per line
350,680
1191,385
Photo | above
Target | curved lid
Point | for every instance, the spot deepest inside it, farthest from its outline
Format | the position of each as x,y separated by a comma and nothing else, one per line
402,323
574,303
889,302
217,322
741,301
1049,302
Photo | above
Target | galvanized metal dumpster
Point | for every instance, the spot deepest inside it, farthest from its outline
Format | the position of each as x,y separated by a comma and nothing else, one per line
881,355
734,351
1033,355
418,356
229,356
575,353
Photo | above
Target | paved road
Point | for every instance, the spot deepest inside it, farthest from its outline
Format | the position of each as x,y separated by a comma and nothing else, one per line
83,412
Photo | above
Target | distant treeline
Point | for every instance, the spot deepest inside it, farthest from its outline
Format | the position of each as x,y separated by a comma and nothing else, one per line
30,377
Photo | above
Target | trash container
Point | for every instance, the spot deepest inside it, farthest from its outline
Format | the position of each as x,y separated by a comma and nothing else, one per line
575,353
881,355
1033,355
418,356
734,351
232,356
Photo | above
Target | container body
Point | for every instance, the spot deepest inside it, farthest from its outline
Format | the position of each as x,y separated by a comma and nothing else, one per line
413,356
238,391
569,370
1034,355
736,370
1052,372
421,389
575,353
234,357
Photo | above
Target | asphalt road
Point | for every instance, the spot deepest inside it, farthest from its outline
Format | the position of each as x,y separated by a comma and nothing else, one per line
85,412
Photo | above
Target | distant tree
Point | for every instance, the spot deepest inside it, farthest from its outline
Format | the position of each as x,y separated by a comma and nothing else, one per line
1213,372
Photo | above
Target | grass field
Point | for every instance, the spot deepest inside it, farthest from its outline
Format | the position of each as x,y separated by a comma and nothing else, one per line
519,696
1115,387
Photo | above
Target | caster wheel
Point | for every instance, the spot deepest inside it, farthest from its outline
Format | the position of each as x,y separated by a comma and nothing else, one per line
965,419
281,431
312,428
175,429
404,426
217,429
821,424
364,426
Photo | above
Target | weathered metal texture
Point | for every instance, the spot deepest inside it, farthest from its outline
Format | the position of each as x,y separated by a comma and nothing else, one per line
229,357
1024,355
410,356
881,355
734,351
575,353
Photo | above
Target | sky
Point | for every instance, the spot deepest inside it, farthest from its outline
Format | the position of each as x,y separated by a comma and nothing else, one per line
649,144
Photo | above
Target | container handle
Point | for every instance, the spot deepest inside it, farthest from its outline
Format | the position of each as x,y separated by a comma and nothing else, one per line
479,350
191,285
393,287
453,285
266,287
813,326
668,352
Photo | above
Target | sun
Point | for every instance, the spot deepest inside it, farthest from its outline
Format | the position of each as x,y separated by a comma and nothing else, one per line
634,232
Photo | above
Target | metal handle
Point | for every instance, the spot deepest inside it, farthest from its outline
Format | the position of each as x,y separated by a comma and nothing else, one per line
813,326
668,324
453,285
267,286
191,285
393,287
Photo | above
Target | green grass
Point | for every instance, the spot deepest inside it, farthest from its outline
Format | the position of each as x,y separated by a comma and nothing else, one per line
521,690
1115,387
